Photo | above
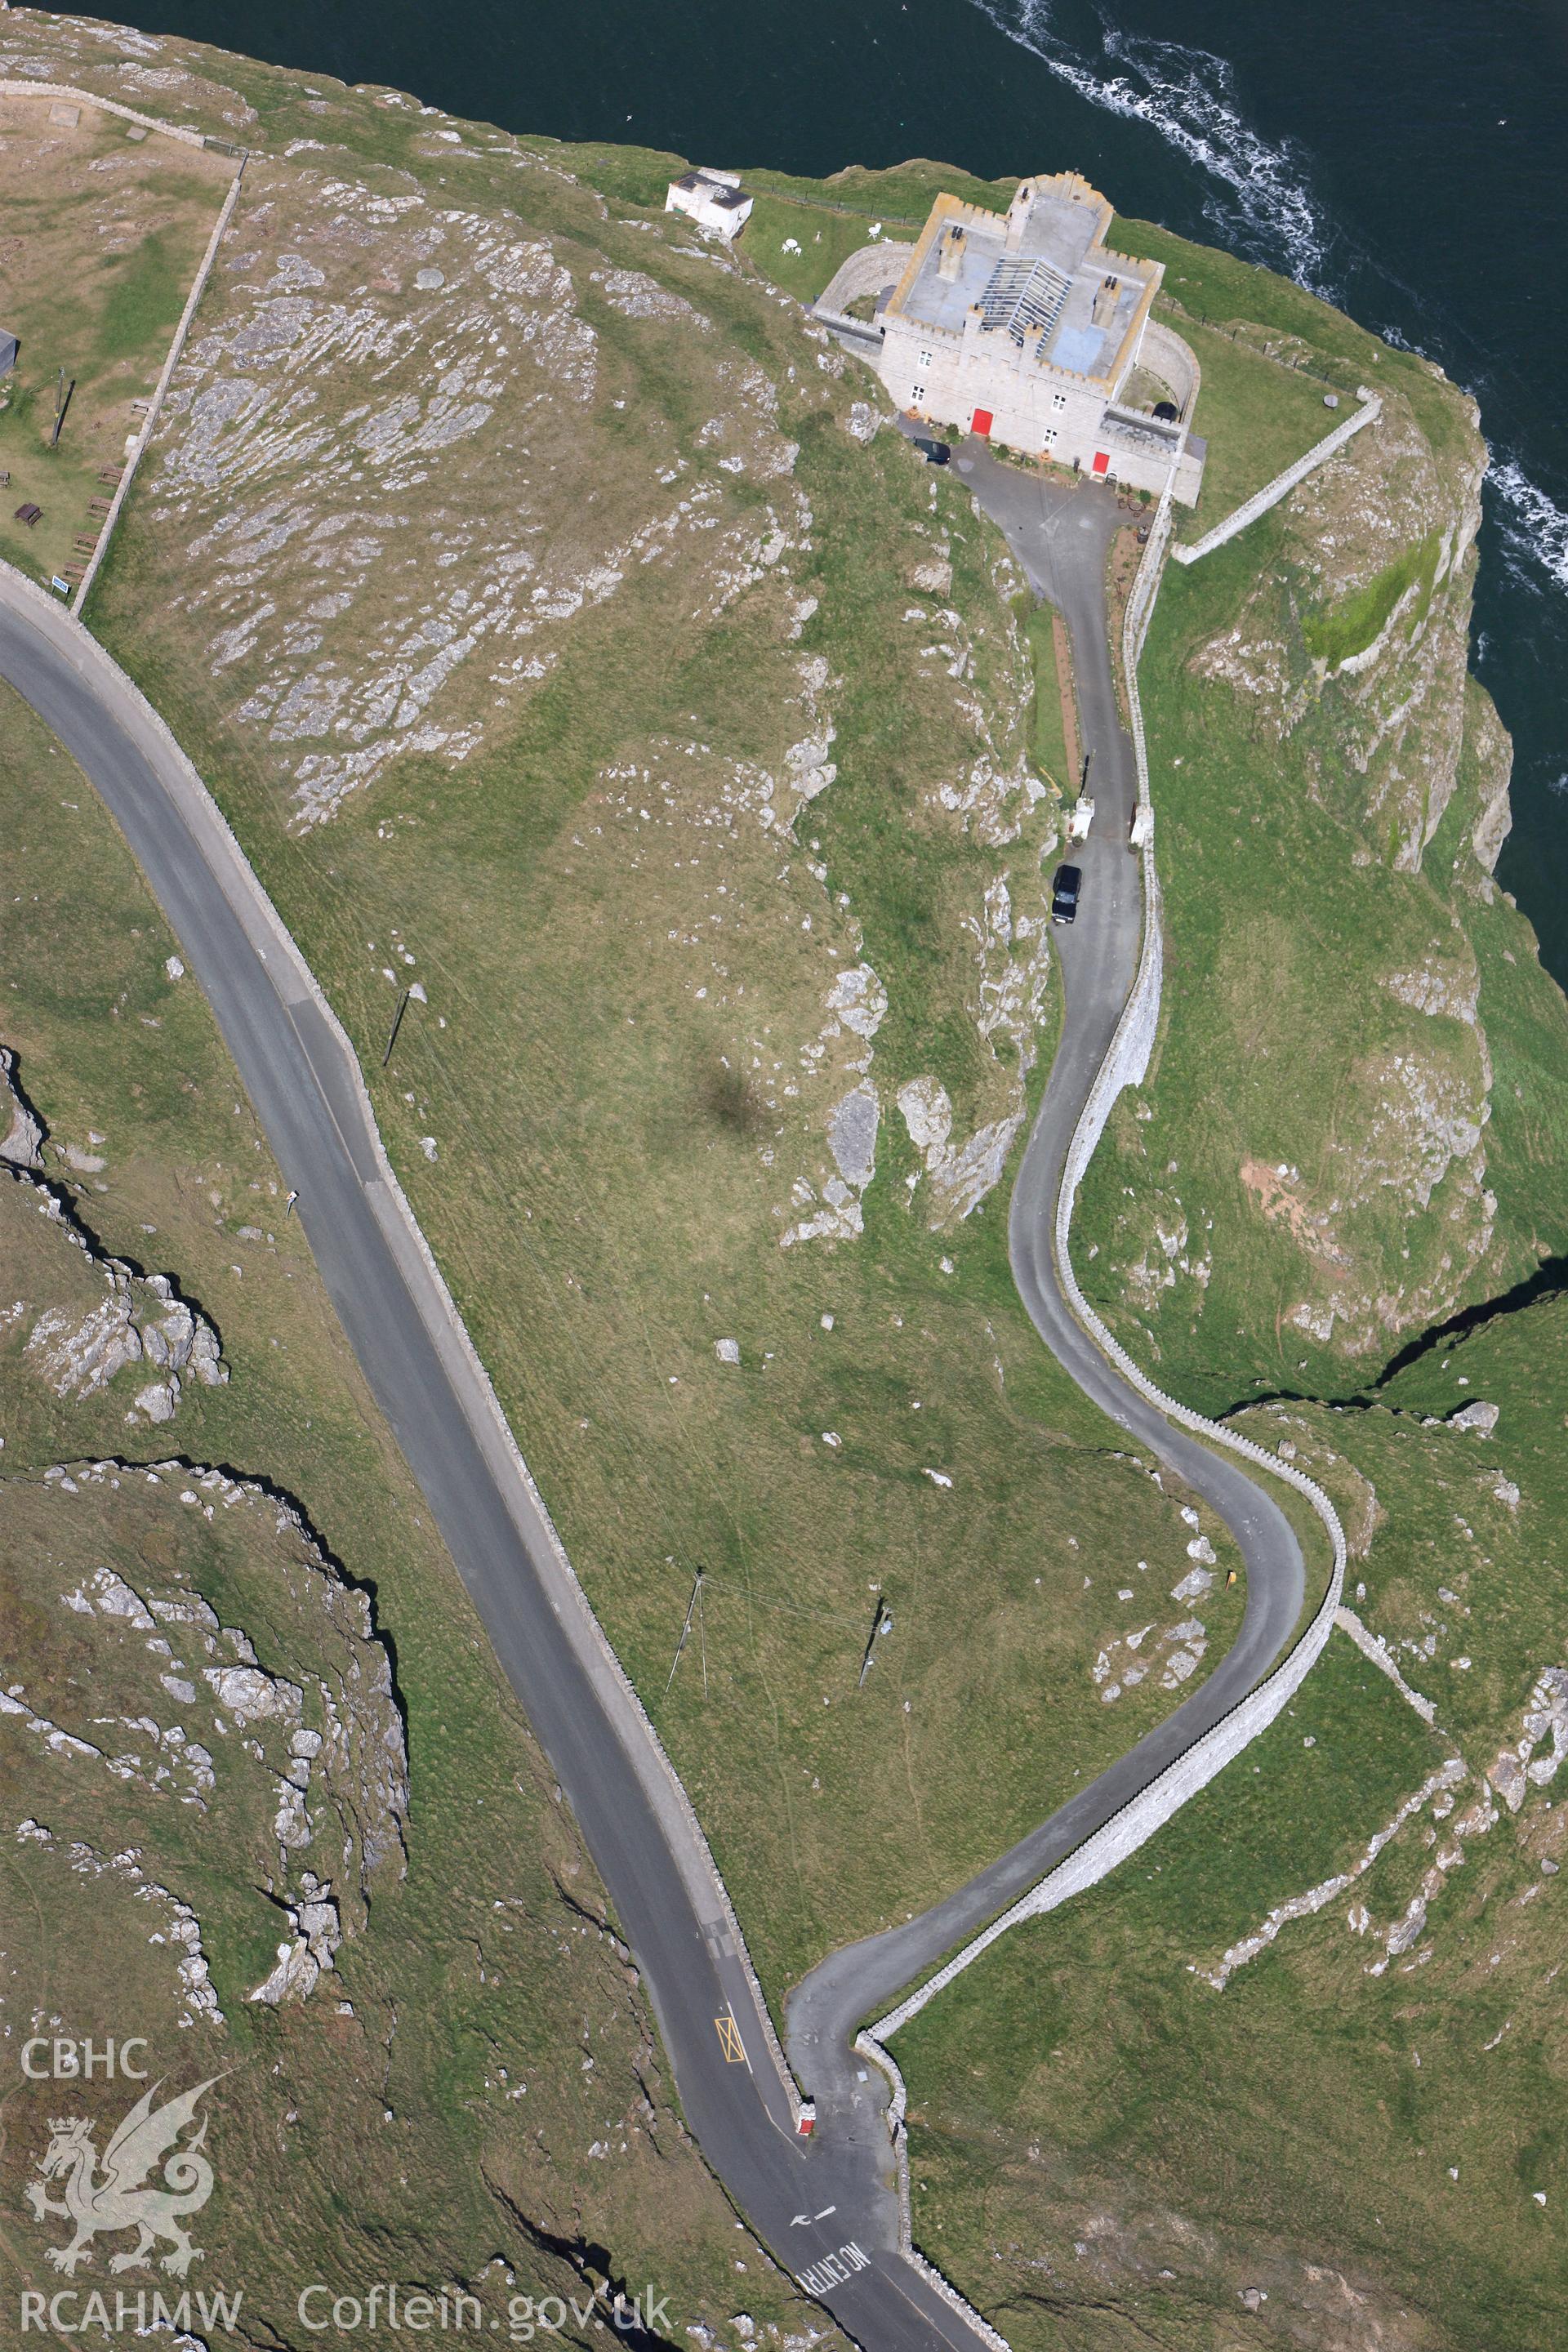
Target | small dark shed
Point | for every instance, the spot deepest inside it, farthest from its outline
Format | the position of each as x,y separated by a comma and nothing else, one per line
8,351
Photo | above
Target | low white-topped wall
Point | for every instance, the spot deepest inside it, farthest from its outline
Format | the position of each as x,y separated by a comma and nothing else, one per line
1283,483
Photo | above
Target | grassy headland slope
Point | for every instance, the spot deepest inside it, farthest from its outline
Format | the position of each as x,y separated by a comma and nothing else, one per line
562,637
246,1706
1310,2045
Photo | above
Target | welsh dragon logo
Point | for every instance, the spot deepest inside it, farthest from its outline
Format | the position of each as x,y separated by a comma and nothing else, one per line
117,2197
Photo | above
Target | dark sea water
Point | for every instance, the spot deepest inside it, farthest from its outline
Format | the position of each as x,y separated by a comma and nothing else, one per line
1410,161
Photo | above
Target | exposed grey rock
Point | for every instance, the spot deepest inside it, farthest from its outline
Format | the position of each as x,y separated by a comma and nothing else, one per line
1196,1582
22,1143
158,1399
852,1135
961,1178
337,1781
139,1319
206,1362
292,1823
318,1932
250,1695
859,999
77,1358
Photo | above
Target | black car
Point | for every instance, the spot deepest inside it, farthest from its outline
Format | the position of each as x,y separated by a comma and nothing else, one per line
1068,882
935,453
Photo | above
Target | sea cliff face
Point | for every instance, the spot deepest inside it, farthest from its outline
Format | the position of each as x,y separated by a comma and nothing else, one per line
1364,658
1354,648
1326,1160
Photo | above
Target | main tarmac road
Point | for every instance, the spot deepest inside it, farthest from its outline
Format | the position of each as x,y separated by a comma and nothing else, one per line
825,2210
826,2207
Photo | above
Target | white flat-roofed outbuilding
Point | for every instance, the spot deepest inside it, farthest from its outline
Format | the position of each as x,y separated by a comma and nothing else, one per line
715,200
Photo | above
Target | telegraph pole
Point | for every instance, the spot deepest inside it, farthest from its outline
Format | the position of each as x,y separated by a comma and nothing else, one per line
63,391
881,1621
396,1026
702,1630
691,1606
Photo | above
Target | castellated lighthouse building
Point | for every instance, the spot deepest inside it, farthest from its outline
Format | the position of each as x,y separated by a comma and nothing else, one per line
1027,328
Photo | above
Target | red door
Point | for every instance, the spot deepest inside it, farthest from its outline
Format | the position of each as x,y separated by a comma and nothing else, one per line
1101,462
982,424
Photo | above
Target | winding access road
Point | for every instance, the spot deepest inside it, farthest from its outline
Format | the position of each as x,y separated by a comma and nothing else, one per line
1060,536
826,2207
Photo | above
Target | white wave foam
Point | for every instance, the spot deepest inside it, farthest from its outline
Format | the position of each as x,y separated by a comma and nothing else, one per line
1534,527
1262,202
1188,97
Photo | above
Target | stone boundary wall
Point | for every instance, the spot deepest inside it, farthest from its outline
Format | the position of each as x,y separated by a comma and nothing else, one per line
1272,492
1378,1653
13,88
64,90
133,459
267,930
897,2107
1125,1063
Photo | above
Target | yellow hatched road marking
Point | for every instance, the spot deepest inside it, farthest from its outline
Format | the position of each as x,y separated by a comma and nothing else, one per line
730,2040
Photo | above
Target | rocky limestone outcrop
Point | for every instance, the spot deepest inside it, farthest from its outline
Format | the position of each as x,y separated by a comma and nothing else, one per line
1347,652
1462,1808
1492,751
1375,699
22,1142
369,367
137,1323
281,1737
